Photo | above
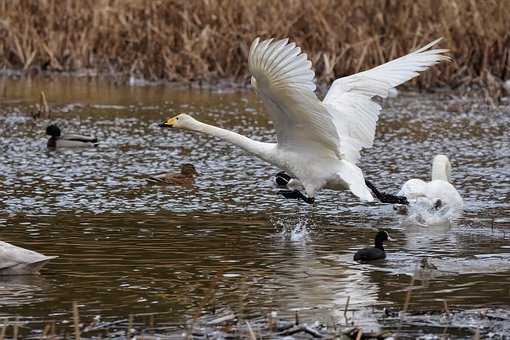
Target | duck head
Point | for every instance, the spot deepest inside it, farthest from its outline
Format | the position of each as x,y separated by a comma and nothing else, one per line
188,170
53,130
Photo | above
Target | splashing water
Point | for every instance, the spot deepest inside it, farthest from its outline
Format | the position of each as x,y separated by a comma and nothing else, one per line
296,228
422,212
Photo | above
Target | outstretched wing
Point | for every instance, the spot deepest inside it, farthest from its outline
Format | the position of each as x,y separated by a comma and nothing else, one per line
349,99
283,78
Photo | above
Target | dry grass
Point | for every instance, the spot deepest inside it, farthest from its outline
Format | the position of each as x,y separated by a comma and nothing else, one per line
206,40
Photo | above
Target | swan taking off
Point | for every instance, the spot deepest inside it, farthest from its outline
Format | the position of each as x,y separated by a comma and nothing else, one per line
318,142
438,194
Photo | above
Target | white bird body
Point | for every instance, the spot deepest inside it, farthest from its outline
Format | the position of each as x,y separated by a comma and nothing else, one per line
318,142
427,194
15,260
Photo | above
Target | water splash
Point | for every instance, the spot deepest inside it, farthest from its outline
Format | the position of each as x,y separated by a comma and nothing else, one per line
422,212
295,228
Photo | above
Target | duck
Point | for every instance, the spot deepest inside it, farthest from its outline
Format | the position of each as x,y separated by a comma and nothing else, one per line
15,260
377,251
318,142
57,140
438,194
185,178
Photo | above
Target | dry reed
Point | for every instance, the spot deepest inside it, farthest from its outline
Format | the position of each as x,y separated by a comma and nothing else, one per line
208,40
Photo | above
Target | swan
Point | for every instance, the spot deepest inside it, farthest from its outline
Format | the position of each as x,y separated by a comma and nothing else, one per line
57,140
318,142
437,194
15,260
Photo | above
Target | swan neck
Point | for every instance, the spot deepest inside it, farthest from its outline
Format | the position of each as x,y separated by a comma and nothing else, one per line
440,171
259,149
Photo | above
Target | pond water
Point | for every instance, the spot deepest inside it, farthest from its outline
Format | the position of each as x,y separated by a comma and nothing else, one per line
126,247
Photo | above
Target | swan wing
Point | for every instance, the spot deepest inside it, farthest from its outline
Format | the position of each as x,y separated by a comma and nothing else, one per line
283,78
349,99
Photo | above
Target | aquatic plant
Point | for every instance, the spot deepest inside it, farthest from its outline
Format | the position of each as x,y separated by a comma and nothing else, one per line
209,40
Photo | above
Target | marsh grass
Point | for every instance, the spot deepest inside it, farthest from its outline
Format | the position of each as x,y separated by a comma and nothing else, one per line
207,40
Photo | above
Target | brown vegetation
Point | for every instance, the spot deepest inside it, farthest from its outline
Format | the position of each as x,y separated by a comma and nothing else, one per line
207,40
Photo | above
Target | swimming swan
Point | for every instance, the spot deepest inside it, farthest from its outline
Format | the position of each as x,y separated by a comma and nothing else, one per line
15,260
439,193
319,142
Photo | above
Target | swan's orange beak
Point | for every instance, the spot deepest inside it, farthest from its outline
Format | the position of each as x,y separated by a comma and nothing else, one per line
170,122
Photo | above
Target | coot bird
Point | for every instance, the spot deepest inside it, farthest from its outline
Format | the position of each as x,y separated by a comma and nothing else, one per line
374,253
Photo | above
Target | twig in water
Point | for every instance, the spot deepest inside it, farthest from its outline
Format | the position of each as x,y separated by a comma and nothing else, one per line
408,294
360,333
130,325
76,317
296,318
4,329
44,105
252,335
476,336
446,310
15,330
346,306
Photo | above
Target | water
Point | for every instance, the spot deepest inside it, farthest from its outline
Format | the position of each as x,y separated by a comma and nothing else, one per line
126,247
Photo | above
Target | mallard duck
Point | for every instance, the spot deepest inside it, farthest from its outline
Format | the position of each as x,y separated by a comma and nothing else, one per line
377,251
185,178
57,140
20,261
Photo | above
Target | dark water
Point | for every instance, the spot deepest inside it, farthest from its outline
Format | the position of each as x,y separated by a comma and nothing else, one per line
126,247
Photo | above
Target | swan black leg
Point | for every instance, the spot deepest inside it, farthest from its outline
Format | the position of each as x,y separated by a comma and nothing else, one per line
296,194
386,198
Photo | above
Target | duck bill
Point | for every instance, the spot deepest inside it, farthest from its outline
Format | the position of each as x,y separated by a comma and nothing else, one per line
170,122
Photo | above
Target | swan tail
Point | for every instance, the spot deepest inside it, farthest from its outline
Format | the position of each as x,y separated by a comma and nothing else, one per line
353,177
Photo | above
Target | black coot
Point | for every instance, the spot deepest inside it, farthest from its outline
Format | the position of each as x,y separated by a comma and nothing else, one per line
376,252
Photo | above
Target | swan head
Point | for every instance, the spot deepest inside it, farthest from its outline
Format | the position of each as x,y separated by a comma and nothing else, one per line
181,121
441,168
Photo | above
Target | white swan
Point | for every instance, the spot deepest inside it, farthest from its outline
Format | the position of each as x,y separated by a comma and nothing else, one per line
319,142
438,194
15,260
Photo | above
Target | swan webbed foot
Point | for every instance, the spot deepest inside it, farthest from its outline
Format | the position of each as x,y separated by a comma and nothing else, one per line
386,198
296,194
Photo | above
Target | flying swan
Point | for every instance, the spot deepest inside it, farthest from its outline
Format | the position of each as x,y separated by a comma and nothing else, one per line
318,142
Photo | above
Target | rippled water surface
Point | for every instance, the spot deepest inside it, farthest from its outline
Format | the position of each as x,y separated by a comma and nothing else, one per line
127,247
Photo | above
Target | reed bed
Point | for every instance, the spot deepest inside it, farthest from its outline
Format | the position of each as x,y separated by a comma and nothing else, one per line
208,40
